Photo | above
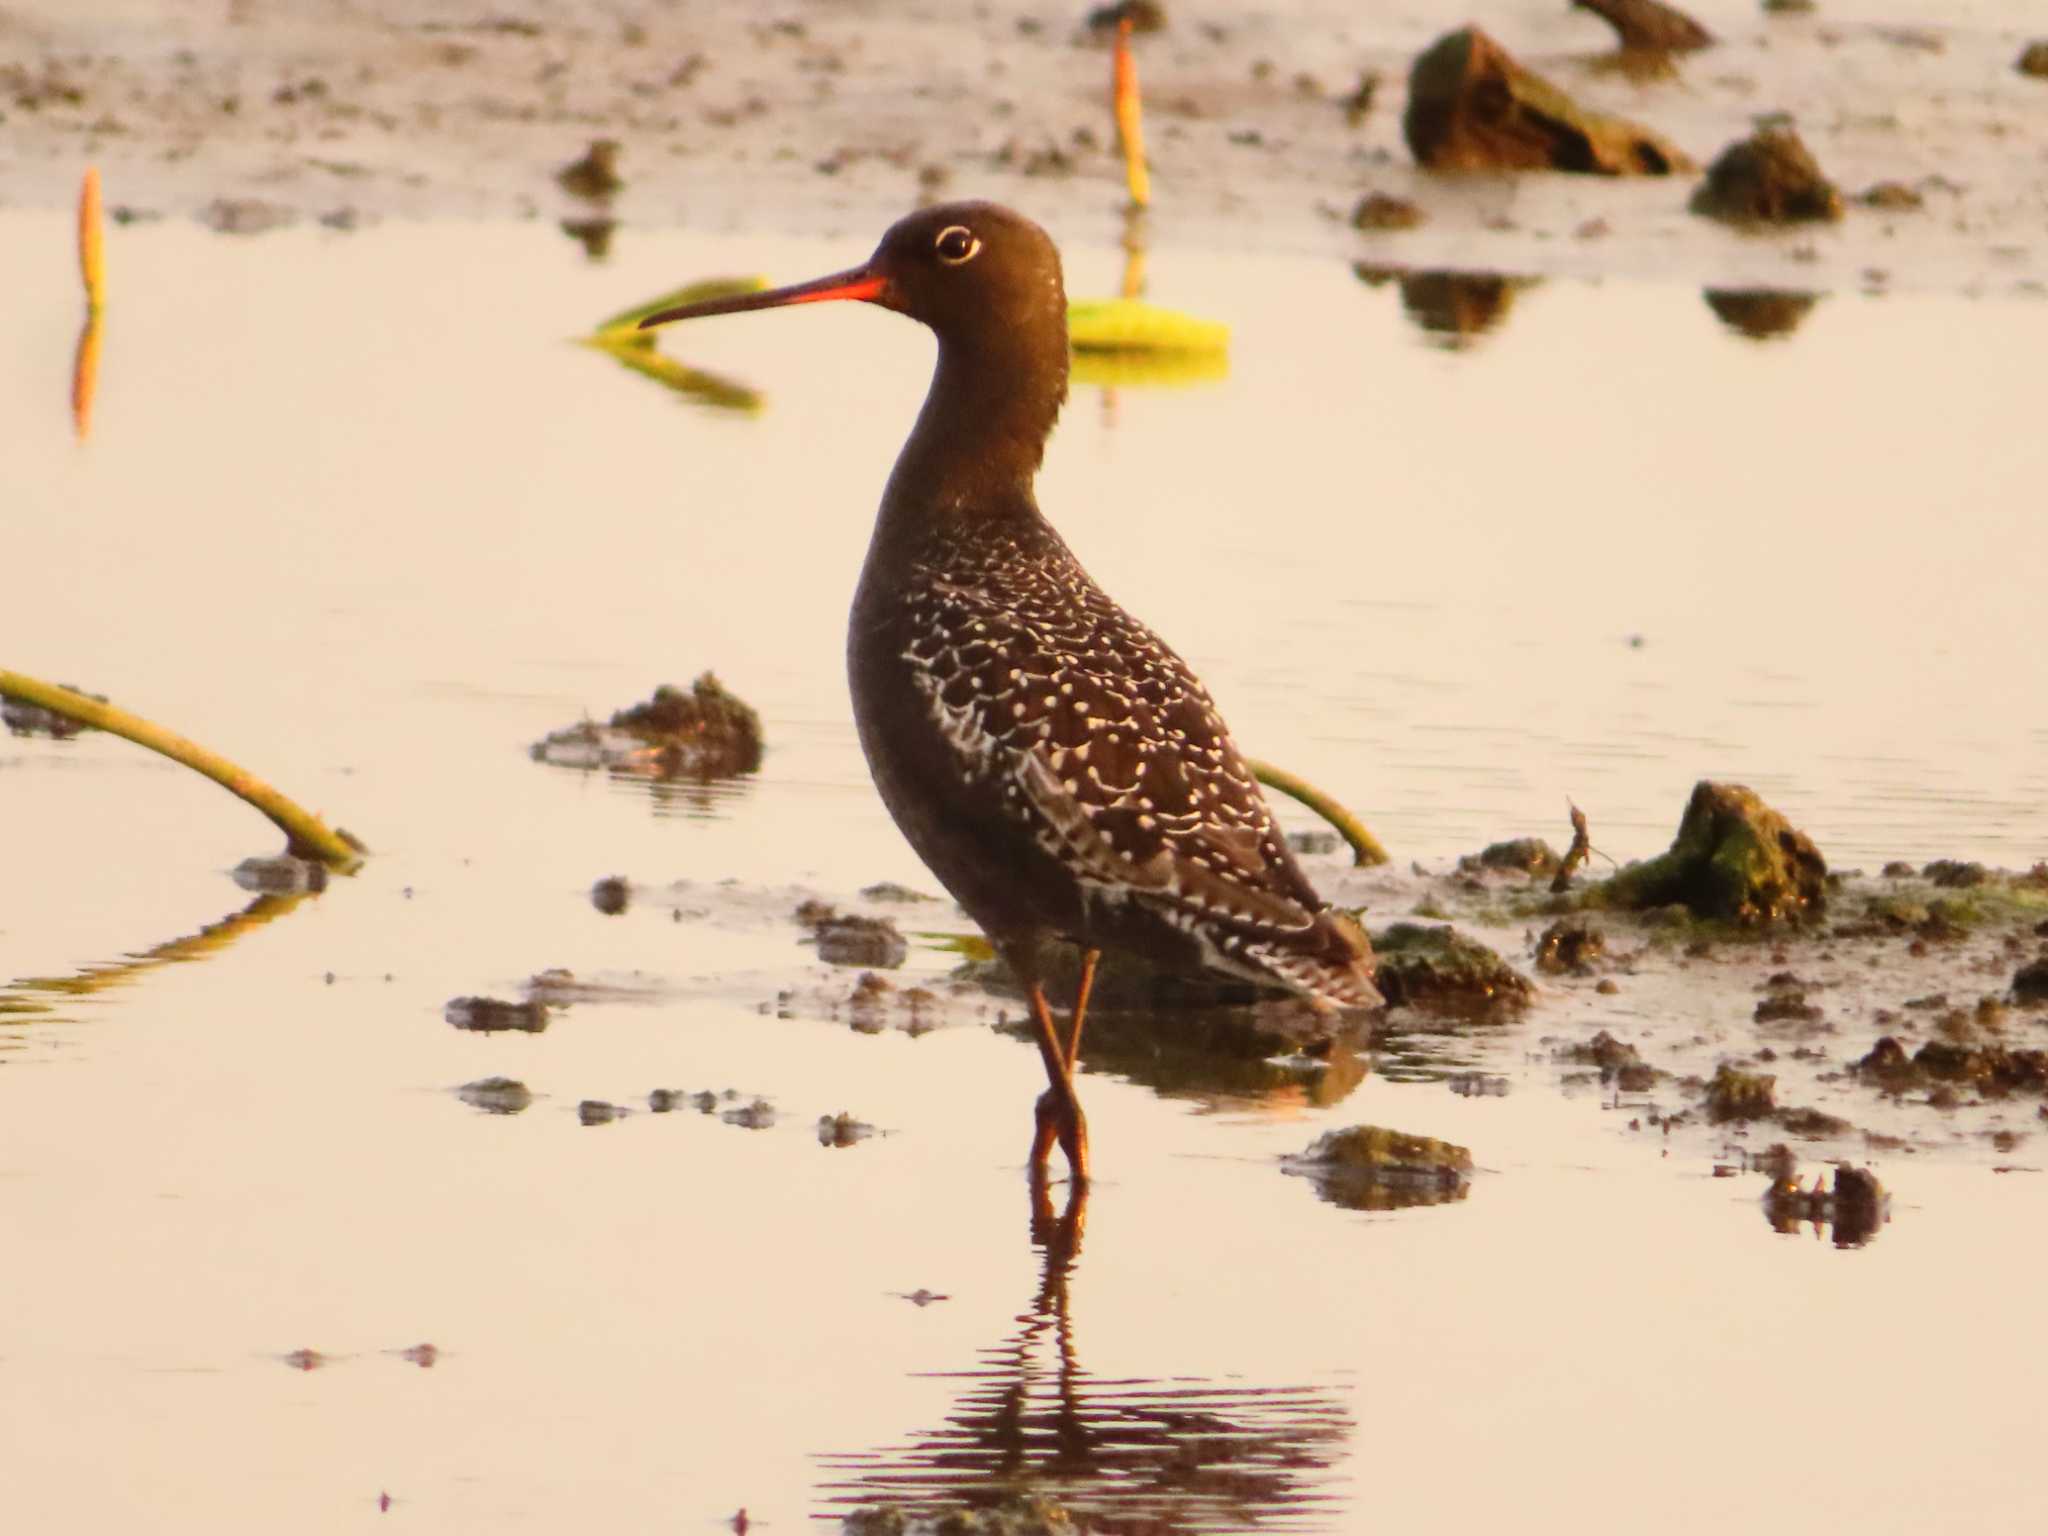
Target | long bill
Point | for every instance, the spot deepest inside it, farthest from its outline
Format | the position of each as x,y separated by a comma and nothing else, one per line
854,283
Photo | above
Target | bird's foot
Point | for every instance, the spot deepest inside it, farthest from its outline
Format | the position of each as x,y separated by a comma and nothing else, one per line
1059,1120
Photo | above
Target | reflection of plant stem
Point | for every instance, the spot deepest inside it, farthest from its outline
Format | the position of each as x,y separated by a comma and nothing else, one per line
85,362
634,350
193,946
85,373
309,837
1365,848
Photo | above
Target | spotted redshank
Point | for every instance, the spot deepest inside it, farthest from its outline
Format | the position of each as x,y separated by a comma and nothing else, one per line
1059,768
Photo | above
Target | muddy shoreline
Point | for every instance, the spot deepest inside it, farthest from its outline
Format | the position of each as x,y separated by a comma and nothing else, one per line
832,119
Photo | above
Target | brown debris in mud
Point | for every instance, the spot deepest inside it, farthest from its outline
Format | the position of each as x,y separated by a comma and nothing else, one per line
1472,107
705,733
1618,1062
1569,946
842,1130
847,938
1370,1168
2033,60
1523,855
593,175
1993,1070
1378,211
1648,26
1770,177
1738,1095
2030,983
1734,859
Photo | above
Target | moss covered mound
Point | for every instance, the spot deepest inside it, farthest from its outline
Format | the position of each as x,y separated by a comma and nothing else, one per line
1770,177
1437,968
1734,859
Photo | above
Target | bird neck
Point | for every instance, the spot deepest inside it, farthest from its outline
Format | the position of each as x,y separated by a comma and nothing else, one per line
981,436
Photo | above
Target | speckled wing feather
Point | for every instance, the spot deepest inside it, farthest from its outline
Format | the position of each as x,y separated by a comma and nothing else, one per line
1107,748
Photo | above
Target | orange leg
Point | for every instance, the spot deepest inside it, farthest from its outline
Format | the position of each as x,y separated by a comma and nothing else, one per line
1058,1112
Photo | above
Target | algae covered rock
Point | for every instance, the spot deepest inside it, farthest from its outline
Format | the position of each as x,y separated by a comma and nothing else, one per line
704,733
1437,968
1471,107
1369,1167
1738,1095
1770,177
1734,859
1522,855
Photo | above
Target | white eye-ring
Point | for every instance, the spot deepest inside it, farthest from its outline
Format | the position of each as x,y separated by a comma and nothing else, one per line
957,245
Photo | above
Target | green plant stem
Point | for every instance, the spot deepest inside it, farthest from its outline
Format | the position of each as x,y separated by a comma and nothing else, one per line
308,836
1365,848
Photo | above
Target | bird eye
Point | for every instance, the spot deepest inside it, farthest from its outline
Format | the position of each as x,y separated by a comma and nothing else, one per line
957,245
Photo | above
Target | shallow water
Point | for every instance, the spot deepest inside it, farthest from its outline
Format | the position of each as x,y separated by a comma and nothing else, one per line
354,512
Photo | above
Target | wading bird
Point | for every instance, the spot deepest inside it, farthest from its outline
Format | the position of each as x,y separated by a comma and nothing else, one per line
1058,768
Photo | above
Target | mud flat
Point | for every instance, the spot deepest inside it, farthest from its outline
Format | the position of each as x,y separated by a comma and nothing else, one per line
1266,127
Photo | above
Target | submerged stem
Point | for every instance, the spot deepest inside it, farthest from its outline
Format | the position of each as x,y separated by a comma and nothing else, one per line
309,836
1365,848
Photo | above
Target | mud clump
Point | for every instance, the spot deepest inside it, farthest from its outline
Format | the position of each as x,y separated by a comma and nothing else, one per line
1734,860
842,1130
1770,177
1439,969
1891,197
1377,210
1569,945
598,1112
850,939
1761,314
490,1015
1618,1062
1472,107
704,733
2033,60
2030,984
1993,1070
1369,1167
1786,1005
1530,856
1737,1095
593,175
1954,874
1645,26
611,895
496,1095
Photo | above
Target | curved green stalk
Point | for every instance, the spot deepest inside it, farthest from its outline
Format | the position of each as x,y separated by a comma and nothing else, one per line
1365,848
308,836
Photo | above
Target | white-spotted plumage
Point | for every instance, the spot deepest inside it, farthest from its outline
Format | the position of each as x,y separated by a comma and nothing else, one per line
1096,741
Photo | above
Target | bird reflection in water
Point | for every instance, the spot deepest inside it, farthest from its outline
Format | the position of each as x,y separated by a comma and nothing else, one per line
1122,1454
